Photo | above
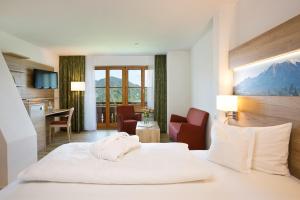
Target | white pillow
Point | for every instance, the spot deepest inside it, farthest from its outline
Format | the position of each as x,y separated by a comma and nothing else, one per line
272,148
232,146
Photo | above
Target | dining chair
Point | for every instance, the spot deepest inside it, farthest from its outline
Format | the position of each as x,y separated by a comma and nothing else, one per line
62,124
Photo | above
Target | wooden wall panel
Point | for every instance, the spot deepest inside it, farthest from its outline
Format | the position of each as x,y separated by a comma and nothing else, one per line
279,40
273,110
24,68
3,162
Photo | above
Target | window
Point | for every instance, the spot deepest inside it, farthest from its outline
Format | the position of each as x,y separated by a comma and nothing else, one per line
125,85
134,86
148,85
100,84
115,86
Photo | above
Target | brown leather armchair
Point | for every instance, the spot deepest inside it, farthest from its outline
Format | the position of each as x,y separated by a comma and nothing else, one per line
190,129
127,119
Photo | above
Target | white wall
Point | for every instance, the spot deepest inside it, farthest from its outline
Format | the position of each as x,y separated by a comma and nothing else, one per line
178,83
111,60
9,43
233,25
210,74
203,78
99,60
254,17
18,133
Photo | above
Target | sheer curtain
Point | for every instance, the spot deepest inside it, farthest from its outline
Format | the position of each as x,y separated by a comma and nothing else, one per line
149,83
90,95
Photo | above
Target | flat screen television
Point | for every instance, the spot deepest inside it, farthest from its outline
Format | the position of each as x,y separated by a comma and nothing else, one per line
44,79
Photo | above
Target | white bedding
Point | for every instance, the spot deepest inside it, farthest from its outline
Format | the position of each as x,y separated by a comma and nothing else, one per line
154,163
227,184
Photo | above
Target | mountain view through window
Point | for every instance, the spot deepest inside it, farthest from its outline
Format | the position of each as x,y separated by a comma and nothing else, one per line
116,93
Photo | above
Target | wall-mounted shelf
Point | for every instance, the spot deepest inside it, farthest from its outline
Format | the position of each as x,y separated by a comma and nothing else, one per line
37,99
17,70
15,55
19,77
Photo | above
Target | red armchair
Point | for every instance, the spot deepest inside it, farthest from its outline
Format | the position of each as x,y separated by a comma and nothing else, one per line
127,119
190,129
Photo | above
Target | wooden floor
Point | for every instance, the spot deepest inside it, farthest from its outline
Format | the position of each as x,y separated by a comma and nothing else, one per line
61,138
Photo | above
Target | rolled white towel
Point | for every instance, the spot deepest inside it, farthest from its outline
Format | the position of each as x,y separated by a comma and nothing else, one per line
114,147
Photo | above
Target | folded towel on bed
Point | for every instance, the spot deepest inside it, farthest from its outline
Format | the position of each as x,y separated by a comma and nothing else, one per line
114,147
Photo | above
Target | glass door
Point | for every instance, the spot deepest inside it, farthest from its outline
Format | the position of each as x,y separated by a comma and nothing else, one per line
115,95
115,86
100,84
109,94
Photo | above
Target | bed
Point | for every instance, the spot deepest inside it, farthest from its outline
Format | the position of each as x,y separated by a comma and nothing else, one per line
226,184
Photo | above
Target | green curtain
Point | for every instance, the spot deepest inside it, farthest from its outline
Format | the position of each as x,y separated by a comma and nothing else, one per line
160,92
72,68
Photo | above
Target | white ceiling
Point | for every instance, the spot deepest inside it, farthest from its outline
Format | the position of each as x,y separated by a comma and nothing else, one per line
108,26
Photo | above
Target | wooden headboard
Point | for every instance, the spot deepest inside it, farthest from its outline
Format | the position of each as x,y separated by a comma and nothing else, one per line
273,110
279,40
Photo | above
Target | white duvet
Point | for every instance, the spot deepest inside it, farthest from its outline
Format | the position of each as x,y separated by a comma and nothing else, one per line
153,163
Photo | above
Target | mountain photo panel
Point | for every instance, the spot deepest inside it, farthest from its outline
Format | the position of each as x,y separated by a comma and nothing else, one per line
277,78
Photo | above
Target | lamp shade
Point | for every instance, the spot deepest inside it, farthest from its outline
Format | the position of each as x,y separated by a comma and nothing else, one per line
227,103
77,86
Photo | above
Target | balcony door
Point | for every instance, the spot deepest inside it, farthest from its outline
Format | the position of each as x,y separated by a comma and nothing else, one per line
118,86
